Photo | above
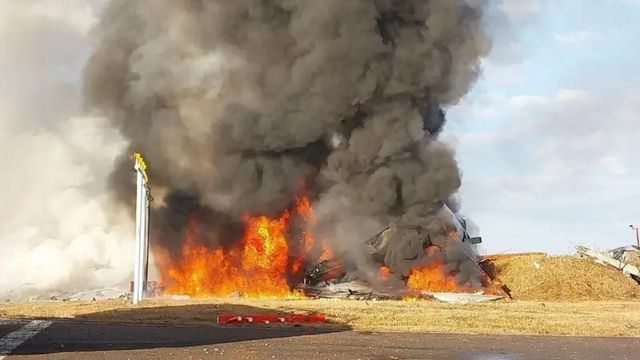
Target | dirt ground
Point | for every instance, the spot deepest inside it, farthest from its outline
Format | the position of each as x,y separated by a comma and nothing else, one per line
601,318
560,278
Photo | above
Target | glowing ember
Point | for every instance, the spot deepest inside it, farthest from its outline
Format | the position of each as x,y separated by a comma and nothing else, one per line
258,269
384,273
327,253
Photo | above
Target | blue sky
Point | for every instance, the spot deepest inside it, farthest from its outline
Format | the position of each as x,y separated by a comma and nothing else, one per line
548,140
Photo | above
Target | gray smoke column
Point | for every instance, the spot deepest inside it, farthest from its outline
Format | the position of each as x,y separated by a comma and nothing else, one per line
240,105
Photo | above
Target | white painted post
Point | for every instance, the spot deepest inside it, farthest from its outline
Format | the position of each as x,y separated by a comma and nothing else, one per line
139,213
142,234
145,263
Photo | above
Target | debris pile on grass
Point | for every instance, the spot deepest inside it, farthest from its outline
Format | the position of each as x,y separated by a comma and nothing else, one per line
541,277
631,257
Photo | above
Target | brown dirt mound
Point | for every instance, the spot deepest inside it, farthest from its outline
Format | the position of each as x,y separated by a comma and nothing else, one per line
543,277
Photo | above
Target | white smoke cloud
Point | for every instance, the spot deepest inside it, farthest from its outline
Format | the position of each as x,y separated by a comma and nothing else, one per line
58,229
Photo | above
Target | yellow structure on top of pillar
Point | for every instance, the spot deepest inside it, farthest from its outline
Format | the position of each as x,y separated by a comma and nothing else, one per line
142,165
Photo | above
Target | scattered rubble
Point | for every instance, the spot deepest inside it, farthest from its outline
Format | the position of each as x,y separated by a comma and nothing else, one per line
336,278
464,298
354,290
627,254
613,258
28,294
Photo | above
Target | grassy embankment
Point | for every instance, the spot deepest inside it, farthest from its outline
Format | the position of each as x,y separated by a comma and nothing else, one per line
601,318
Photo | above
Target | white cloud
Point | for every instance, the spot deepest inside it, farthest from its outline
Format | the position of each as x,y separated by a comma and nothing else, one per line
481,107
507,50
505,24
507,74
570,157
520,9
477,139
578,38
574,96
528,102
542,168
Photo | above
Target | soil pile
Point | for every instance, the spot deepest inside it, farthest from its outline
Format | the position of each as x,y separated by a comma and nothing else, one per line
541,277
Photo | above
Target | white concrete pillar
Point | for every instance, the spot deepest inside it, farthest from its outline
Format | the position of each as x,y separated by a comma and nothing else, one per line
142,231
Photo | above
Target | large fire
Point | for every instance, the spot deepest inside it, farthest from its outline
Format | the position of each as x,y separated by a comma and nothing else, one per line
434,276
266,263
260,267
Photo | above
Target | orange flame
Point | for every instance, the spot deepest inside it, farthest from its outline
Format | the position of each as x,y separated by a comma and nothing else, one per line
384,273
258,269
310,246
304,209
434,277
266,262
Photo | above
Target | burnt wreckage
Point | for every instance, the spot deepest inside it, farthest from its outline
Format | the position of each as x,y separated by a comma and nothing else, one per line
337,276
336,270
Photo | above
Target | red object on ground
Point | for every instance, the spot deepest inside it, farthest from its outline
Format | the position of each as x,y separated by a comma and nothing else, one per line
270,319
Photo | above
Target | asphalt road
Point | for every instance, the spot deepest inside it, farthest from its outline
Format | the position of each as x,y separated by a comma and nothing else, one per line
76,340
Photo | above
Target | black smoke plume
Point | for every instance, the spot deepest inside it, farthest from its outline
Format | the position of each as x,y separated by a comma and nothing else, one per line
241,105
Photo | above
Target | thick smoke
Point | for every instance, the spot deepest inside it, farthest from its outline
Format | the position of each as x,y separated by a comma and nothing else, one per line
59,231
241,105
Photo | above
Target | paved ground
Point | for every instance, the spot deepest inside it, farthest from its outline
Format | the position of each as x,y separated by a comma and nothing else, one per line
7,327
73,340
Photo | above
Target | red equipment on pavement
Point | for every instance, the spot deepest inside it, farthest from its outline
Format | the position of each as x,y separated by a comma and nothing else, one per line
271,319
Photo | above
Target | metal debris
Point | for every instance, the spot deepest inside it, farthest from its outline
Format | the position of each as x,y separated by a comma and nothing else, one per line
355,290
464,298
627,269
